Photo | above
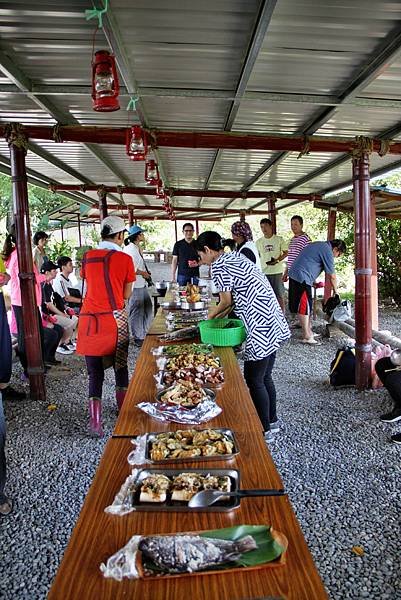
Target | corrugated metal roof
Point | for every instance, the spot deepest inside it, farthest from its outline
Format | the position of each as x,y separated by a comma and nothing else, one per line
324,67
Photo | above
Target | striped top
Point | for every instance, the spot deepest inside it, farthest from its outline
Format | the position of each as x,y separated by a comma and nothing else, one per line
255,303
296,245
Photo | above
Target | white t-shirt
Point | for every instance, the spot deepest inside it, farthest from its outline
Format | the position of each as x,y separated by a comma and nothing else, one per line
61,285
139,263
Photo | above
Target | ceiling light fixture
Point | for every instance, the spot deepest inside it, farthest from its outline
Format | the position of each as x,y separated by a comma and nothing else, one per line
136,146
105,84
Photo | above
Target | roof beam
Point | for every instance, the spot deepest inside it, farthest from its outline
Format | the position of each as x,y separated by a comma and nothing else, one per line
386,52
258,35
155,92
16,75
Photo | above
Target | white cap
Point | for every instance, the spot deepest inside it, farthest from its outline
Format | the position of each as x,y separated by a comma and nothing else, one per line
112,225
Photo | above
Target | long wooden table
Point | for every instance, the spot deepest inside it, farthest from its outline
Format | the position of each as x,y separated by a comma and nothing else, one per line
98,535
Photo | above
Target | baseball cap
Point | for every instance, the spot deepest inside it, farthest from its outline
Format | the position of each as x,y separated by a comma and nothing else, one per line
112,225
48,265
134,229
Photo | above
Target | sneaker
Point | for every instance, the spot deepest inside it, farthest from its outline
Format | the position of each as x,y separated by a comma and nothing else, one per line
268,436
391,417
64,349
71,345
274,427
396,439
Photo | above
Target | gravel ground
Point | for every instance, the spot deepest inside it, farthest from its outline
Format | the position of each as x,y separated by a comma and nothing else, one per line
340,471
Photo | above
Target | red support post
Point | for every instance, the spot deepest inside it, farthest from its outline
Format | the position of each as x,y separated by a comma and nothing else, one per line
102,195
62,232
331,234
373,258
197,227
363,271
271,204
130,216
79,231
175,230
33,346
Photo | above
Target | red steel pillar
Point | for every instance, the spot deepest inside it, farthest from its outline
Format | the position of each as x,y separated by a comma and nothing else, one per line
102,195
271,203
331,234
175,230
33,346
373,258
130,216
363,271
79,231
62,232
197,227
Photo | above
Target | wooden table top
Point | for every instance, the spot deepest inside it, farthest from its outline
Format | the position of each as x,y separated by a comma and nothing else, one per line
98,535
238,412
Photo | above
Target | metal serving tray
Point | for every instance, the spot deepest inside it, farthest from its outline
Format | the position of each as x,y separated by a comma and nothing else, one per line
200,305
151,438
170,305
170,505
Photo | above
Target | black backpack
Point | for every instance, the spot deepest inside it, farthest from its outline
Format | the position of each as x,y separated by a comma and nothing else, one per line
342,368
331,303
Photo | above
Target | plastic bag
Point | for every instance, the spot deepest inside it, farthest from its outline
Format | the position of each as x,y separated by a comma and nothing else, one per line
122,563
122,503
342,312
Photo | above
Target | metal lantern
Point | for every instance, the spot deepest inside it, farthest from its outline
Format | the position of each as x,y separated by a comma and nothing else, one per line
151,172
105,85
160,193
136,147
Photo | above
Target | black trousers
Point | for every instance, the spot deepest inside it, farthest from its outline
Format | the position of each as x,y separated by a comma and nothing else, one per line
258,377
391,381
50,338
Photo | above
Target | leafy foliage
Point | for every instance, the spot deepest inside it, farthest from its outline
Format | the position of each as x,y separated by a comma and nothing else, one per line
388,233
41,202
56,249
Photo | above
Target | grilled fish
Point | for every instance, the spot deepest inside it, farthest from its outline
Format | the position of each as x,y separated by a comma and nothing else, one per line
189,553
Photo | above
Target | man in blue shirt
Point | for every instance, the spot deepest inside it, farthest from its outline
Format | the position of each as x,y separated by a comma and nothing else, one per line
314,258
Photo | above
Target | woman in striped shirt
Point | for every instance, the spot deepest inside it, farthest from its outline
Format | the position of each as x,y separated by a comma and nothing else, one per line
243,286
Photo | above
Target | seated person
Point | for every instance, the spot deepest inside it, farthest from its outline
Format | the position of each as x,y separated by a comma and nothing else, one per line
54,306
63,285
391,380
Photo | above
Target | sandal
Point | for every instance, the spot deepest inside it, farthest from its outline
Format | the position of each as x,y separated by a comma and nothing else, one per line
311,342
6,508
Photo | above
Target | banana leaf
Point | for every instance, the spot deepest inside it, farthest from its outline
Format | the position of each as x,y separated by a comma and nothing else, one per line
268,549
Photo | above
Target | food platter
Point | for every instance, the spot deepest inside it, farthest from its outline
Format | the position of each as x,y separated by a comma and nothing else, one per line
176,496
185,448
180,396
199,305
170,305
198,553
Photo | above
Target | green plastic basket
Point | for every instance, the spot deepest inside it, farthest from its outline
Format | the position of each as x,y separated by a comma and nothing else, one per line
213,332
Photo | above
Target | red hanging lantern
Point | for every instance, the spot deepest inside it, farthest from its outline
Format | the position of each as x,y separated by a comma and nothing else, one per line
160,193
105,85
151,172
136,146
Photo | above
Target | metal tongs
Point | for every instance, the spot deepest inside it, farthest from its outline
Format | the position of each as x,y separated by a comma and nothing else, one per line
209,497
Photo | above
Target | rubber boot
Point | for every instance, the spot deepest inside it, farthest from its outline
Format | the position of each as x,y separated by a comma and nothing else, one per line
95,417
120,396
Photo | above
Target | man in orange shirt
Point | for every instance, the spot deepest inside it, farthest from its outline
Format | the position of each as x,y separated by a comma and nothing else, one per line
103,336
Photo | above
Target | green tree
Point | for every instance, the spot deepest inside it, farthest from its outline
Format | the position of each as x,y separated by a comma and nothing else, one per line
41,202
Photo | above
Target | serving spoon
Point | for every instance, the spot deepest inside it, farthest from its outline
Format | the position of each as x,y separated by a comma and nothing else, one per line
209,497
